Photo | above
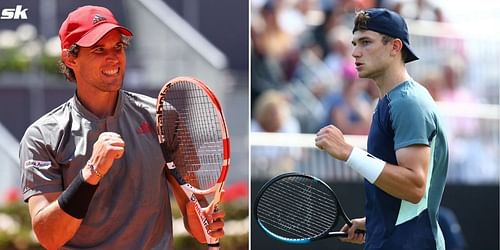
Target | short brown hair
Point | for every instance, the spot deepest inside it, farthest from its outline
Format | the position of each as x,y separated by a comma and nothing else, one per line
361,20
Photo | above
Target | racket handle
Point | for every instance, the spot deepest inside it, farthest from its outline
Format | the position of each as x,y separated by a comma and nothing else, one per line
344,234
215,246
359,231
338,234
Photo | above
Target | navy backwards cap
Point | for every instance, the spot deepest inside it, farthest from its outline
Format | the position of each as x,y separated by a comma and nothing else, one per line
389,23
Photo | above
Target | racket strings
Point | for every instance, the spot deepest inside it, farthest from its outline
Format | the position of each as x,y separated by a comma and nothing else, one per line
197,134
297,208
296,229
307,203
312,221
294,210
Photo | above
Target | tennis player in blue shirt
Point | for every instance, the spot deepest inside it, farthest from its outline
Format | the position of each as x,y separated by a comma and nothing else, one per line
407,160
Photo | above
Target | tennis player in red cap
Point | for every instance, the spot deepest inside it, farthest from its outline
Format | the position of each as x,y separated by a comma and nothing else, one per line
92,169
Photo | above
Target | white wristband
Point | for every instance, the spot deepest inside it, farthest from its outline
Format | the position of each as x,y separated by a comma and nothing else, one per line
365,164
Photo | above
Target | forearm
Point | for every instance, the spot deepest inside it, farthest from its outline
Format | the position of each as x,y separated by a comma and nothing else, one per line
57,216
401,182
53,227
405,181
180,198
188,210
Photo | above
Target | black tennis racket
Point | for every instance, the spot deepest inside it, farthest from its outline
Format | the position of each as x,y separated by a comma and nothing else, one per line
297,208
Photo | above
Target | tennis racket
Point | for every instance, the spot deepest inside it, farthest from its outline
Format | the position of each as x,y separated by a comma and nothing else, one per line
194,139
297,208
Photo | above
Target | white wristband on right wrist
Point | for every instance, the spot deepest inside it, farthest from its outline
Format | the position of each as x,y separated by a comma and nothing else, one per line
365,164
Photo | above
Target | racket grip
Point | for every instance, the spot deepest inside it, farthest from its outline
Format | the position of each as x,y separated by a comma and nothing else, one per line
338,234
359,231
344,234
214,246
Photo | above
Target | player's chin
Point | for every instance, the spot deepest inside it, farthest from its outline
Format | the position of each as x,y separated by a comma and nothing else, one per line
113,84
113,88
363,74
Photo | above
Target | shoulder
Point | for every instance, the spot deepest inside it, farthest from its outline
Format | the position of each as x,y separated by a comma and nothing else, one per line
139,104
139,100
50,123
410,96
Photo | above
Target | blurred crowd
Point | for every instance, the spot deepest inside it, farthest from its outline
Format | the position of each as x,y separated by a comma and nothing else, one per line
303,49
303,75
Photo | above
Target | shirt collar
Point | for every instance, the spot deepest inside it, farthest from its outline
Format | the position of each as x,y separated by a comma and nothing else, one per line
87,114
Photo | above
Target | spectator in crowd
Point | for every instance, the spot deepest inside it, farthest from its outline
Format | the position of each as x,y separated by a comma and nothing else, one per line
350,110
272,49
419,10
272,114
468,148
339,58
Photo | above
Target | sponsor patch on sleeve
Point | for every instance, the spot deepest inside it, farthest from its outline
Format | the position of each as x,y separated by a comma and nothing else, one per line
37,164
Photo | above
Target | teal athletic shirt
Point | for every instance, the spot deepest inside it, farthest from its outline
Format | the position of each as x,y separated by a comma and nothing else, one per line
131,208
406,116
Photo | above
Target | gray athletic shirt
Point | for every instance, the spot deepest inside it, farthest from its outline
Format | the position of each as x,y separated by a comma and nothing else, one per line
130,209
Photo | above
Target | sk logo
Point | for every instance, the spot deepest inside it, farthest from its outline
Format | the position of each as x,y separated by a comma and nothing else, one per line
17,13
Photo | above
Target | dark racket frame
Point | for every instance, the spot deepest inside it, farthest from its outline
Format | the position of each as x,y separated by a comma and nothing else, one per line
298,209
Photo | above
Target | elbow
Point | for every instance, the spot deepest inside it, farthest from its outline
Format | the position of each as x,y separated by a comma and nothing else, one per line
416,194
417,188
415,198
47,241
50,246
44,243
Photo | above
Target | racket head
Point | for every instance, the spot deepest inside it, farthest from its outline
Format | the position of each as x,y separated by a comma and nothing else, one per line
192,132
296,208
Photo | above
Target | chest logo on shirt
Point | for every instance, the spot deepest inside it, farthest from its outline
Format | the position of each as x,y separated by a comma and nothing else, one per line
144,128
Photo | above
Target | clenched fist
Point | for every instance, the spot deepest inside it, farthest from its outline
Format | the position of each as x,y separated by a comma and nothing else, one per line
108,147
331,140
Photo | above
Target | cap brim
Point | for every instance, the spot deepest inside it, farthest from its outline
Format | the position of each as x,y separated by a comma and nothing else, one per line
94,35
410,55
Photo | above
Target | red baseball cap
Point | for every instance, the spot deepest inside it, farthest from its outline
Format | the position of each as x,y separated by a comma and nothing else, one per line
87,25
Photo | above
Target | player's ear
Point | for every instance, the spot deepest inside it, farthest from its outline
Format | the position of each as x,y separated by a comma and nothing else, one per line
397,46
68,58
